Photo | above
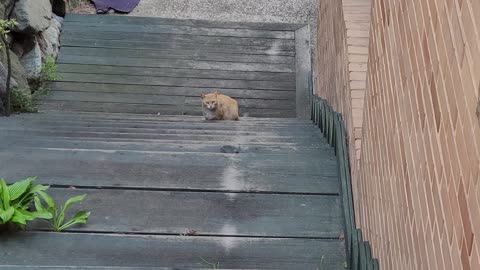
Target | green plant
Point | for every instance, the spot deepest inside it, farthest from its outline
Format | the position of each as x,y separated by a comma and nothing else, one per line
211,265
58,216
21,101
49,70
48,73
4,30
15,201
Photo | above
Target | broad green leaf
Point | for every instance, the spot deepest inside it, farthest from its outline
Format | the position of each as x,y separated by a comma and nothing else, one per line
38,204
20,218
67,204
80,217
6,215
5,194
37,188
72,200
1,193
47,199
42,214
18,188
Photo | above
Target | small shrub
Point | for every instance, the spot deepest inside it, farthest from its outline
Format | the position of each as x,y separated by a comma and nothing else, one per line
15,202
22,102
58,215
49,70
47,74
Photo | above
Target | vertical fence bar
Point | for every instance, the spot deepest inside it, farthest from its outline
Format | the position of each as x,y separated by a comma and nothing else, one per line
359,256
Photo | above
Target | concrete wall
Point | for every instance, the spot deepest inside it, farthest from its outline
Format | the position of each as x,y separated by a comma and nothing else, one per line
416,176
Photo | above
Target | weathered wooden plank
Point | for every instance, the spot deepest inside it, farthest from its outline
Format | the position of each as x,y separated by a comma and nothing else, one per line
169,251
119,144
177,38
109,107
289,162
176,72
170,90
154,170
230,49
160,100
68,131
209,213
105,20
176,81
186,121
164,127
117,98
42,267
303,67
169,118
178,30
173,63
251,103
179,54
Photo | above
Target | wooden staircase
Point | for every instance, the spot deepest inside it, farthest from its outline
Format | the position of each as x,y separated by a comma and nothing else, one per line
168,190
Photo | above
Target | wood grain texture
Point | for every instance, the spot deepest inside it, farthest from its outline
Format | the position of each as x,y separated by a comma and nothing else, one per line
169,251
221,214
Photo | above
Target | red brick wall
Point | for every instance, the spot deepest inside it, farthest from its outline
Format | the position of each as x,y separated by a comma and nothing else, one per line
418,194
413,130
342,48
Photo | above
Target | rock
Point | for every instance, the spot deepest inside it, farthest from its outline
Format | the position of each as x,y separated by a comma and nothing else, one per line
3,80
18,72
60,7
3,5
32,16
58,19
49,39
32,60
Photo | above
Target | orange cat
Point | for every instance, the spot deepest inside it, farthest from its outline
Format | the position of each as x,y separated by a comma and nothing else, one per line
216,106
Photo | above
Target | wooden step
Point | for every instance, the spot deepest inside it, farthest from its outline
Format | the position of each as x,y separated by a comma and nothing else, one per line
115,250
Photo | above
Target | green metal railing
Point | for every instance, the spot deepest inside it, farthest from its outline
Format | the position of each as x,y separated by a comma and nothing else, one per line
359,256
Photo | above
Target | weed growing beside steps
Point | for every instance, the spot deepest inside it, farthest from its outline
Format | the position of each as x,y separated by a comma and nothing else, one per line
21,202
21,101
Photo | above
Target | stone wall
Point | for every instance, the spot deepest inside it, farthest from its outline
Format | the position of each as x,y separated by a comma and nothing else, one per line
32,40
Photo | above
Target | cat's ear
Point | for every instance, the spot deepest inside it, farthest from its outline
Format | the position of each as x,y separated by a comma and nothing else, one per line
203,96
216,92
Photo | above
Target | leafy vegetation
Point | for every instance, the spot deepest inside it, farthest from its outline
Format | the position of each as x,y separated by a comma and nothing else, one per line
58,215
21,101
16,202
4,30
41,85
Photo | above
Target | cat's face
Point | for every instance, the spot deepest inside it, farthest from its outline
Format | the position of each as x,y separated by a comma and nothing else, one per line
209,101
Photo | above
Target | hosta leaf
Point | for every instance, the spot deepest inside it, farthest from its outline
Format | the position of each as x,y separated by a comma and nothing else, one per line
42,214
5,194
47,199
24,214
80,217
72,200
37,188
6,215
38,204
18,188
20,218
